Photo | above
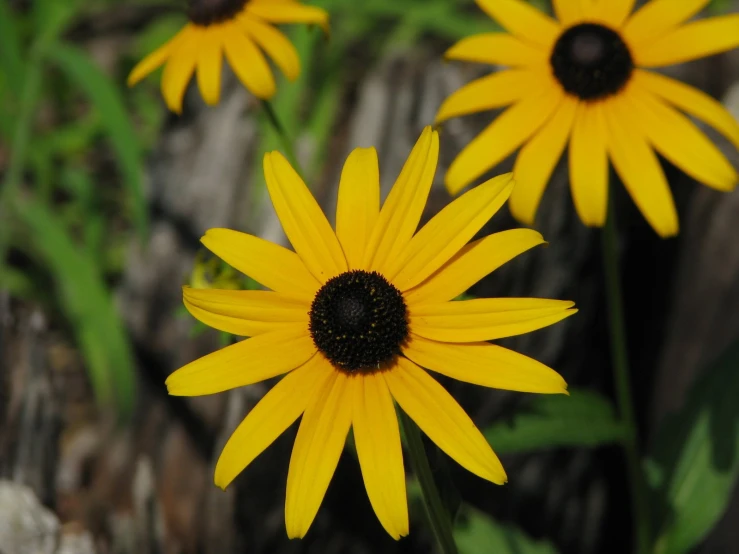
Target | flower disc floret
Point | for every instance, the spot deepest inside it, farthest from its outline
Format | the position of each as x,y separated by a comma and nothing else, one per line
358,320
591,61
207,12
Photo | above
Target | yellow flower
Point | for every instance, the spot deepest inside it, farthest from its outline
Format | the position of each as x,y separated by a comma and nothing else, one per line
353,315
582,79
238,29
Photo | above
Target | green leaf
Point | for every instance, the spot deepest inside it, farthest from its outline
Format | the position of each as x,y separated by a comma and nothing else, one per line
581,419
109,103
11,61
480,533
86,303
695,460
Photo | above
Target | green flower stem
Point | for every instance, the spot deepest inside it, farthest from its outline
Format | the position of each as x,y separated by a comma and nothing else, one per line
287,144
437,515
622,383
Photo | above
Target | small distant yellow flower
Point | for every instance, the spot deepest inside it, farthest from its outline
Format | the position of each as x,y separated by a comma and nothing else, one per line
581,80
238,29
353,315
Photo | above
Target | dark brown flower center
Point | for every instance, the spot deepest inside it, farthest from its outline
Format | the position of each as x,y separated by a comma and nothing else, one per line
207,12
358,320
591,61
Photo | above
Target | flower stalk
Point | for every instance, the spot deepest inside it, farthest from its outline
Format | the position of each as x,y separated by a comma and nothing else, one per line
287,144
622,383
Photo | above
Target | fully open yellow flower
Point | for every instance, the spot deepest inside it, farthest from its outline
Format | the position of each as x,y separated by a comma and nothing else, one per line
353,315
238,29
581,80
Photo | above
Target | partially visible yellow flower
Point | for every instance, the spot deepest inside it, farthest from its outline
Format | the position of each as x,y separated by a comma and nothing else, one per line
581,80
210,272
238,29
353,315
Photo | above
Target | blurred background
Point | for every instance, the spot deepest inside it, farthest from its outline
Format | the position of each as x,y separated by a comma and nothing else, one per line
103,199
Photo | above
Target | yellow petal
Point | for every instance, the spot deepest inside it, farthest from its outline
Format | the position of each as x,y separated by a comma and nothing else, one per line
499,139
210,59
403,206
316,452
493,91
613,12
443,420
486,318
472,263
288,12
274,413
180,67
247,62
302,219
497,49
485,364
274,43
244,363
691,41
692,101
267,263
568,11
537,160
449,230
680,141
639,169
523,20
377,439
155,59
245,312
358,205
589,164
657,17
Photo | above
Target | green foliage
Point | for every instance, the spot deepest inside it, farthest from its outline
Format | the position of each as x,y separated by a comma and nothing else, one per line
694,464
581,419
86,303
478,533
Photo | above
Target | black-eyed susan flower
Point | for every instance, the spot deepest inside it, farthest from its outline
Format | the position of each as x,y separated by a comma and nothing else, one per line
353,315
584,80
239,29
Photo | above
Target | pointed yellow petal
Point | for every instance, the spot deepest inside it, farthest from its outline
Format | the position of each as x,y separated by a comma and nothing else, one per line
472,263
377,438
691,41
692,101
537,160
493,91
449,230
499,139
274,413
678,139
358,205
612,12
245,312
657,17
247,61
244,363
485,364
180,67
210,59
568,11
523,20
267,263
443,420
486,318
155,59
639,169
302,219
288,12
589,164
497,49
316,452
404,206
274,43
